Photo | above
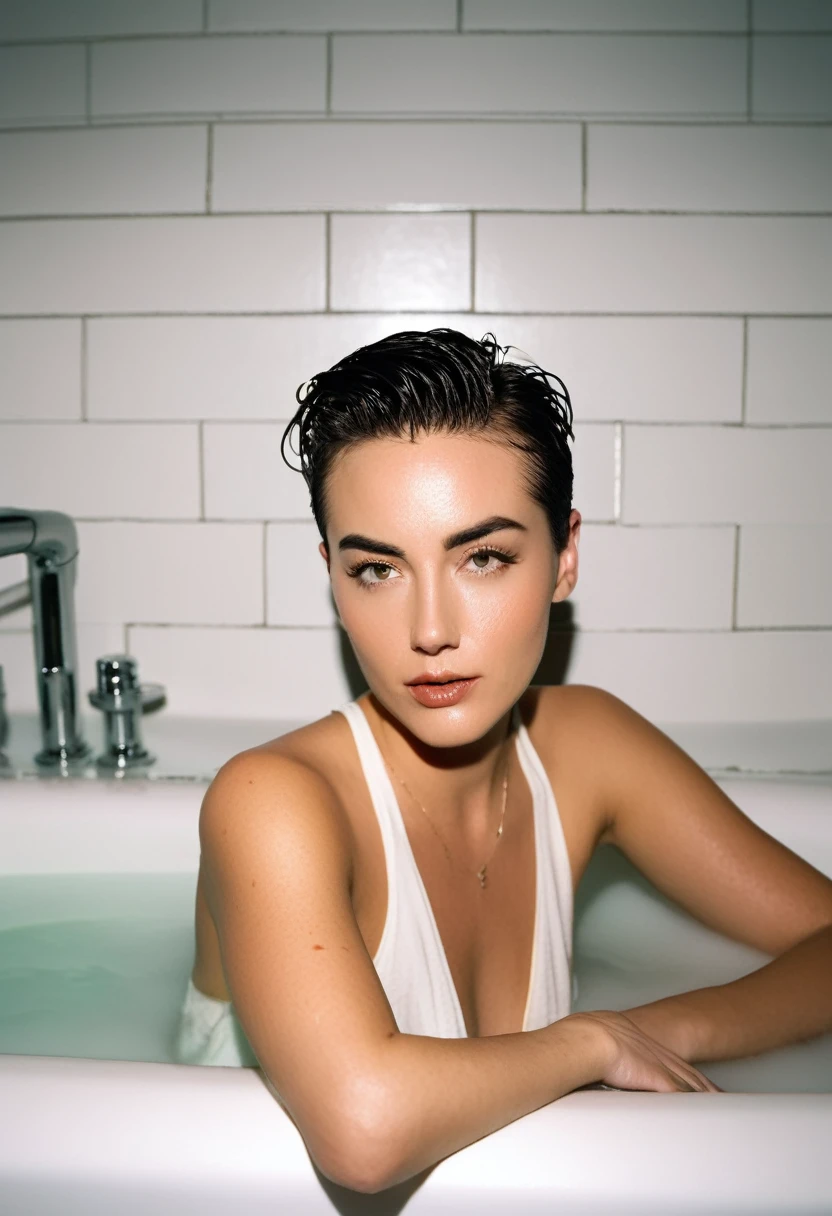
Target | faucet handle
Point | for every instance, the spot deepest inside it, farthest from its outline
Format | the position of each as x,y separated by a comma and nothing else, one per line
123,701
118,687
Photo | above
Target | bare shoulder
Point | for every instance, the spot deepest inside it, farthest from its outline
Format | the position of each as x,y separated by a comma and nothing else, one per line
267,799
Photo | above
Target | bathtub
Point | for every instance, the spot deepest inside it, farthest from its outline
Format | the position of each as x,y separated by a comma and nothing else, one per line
96,900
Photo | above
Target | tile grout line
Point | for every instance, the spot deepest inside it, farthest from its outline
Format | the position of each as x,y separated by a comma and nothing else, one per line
204,16
87,83
473,269
744,374
736,578
209,169
83,369
328,76
265,572
618,466
749,62
200,431
584,166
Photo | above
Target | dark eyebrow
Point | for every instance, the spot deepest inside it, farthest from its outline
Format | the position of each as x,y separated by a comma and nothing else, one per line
354,540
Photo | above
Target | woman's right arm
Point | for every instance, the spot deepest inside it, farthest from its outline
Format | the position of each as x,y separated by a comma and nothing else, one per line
373,1105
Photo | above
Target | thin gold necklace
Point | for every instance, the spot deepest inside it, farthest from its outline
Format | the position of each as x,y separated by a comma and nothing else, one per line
481,872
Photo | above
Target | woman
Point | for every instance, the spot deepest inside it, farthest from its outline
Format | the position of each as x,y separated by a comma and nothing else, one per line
385,895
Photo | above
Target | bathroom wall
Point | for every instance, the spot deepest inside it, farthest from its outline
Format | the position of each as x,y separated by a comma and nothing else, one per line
203,204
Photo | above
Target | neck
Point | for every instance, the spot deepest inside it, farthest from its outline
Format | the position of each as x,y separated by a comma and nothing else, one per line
459,786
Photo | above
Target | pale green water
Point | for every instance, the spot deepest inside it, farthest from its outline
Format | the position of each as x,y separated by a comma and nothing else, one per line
96,966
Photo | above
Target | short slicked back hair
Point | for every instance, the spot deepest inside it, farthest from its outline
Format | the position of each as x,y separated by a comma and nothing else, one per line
438,380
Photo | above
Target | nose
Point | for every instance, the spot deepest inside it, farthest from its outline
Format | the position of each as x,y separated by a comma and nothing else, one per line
434,614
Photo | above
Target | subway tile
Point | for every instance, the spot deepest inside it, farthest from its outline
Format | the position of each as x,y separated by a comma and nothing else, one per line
170,573
29,20
102,470
593,466
324,15
628,368
249,673
606,16
785,576
126,169
208,76
654,578
713,168
692,474
396,165
653,263
225,368
297,581
18,662
211,263
745,676
40,370
593,75
791,76
400,261
809,16
246,476
43,84
789,371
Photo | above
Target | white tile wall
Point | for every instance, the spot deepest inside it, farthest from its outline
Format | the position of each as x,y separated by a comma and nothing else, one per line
89,172
789,371
246,476
288,166
400,261
792,77
260,187
41,84
40,370
717,168
208,264
331,15
603,76
694,474
246,673
208,76
784,580
298,588
251,367
702,676
29,20
808,16
654,578
102,470
656,263
607,16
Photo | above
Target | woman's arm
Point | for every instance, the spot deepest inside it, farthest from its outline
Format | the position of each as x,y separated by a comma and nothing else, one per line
788,1000
374,1106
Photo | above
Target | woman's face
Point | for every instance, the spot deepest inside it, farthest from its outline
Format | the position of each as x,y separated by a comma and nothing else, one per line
477,608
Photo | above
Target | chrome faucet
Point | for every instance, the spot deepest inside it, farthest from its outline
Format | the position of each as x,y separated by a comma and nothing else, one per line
50,542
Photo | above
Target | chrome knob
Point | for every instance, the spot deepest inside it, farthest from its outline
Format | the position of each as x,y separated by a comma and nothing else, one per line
123,700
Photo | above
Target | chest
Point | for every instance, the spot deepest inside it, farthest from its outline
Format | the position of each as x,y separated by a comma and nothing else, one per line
487,934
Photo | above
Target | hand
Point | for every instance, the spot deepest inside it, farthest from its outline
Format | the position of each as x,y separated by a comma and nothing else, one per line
637,1061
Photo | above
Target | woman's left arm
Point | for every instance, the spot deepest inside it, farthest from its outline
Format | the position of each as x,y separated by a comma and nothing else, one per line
683,832
789,1000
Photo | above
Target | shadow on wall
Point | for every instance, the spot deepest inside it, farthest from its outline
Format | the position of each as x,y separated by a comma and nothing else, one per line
552,668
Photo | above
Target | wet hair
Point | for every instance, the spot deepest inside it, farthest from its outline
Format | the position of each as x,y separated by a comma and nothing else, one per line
438,380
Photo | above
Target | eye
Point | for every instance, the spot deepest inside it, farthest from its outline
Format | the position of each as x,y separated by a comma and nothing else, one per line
384,569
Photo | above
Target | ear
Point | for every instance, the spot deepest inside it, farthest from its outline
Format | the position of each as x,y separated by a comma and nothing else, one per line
322,549
568,561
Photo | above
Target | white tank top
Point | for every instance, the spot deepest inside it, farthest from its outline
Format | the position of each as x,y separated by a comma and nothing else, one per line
410,961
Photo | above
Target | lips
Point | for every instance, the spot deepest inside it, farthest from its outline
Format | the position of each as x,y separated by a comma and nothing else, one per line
436,695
